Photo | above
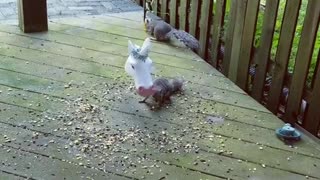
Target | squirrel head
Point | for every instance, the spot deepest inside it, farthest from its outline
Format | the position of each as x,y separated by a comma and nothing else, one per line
151,17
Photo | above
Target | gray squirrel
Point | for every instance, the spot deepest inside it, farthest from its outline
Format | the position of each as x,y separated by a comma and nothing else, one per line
140,67
162,31
165,89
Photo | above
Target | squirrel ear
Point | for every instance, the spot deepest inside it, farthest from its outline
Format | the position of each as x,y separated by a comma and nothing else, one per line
130,46
146,47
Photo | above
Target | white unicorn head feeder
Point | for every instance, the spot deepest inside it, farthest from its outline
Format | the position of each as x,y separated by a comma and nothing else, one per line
139,66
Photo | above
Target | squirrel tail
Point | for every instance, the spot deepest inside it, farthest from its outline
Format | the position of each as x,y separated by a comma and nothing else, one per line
187,39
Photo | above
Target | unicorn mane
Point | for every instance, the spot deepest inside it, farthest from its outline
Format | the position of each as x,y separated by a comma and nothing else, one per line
136,54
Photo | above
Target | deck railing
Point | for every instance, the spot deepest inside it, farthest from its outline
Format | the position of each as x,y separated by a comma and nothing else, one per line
230,41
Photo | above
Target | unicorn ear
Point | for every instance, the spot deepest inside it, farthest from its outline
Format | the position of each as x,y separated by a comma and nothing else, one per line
130,46
146,47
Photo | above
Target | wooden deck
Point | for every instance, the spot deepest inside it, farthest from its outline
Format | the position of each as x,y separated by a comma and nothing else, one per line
67,111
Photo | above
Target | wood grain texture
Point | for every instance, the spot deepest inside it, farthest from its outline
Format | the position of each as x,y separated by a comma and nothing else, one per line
237,39
229,37
47,74
205,22
283,53
33,16
34,90
262,57
218,22
173,12
155,7
234,144
194,14
164,8
312,118
303,60
246,49
183,14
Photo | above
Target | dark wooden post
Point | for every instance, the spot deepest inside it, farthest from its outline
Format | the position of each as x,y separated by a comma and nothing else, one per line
33,15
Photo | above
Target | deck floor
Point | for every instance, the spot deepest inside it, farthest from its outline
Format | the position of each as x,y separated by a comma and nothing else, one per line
68,111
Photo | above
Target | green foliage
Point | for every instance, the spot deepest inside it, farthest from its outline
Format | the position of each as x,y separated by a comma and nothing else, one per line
276,36
228,6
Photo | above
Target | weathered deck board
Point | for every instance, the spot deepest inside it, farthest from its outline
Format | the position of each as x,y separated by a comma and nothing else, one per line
238,146
163,126
158,47
37,166
106,72
112,163
93,49
35,68
131,104
99,48
7,175
185,159
117,30
198,91
234,113
102,57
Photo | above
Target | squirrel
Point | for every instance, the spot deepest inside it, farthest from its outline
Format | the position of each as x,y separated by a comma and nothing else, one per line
165,89
140,67
162,31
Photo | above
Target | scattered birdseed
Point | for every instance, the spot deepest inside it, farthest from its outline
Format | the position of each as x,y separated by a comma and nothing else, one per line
214,120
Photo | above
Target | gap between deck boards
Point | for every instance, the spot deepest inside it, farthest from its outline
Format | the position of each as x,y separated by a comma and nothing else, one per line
131,112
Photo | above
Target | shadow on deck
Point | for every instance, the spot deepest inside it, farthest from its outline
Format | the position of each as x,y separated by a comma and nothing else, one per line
67,110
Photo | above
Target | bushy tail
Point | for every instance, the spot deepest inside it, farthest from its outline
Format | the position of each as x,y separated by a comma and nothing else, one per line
187,39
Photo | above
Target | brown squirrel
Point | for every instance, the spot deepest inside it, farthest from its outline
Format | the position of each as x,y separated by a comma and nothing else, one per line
162,31
165,89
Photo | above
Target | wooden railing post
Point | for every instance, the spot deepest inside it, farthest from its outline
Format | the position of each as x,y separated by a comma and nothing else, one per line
33,15
312,120
218,22
229,37
237,39
246,46
288,28
303,60
183,14
173,9
206,16
262,57
155,6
